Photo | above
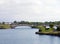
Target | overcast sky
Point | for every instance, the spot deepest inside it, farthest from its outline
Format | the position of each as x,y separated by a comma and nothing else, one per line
30,10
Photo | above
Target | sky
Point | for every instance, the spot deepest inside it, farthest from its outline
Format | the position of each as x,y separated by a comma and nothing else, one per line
29,10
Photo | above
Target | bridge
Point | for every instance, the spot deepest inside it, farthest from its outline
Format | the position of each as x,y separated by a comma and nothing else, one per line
15,25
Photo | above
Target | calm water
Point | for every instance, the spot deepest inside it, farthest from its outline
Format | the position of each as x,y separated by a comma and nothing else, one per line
26,35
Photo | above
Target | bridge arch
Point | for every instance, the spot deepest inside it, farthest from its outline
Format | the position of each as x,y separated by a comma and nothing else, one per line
19,27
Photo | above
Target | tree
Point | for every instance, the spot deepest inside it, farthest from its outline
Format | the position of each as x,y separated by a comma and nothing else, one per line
3,22
15,21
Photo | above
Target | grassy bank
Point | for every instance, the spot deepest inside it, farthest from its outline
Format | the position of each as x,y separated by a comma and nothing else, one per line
5,26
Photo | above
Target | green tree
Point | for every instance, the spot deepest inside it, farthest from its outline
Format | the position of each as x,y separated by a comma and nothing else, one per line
3,22
15,21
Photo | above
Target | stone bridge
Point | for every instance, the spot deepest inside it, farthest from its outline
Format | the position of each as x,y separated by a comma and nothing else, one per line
15,25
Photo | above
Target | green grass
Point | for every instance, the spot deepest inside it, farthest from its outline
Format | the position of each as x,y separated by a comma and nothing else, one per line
5,26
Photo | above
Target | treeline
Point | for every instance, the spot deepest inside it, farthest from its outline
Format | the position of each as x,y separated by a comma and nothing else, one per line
26,22
38,23
33,23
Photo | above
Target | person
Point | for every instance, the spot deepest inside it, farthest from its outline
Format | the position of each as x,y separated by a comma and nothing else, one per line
51,29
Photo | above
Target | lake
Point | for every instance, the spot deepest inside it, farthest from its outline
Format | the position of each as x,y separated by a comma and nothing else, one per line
26,35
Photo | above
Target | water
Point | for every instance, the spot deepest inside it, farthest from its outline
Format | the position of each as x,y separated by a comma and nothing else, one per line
26,35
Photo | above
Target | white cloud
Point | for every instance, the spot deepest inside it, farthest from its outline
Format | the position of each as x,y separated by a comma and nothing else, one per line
35,9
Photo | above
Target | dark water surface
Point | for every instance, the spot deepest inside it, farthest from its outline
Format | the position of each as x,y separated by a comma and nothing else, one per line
26,35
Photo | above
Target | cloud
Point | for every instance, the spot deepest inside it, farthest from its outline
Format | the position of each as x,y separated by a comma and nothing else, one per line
41,10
